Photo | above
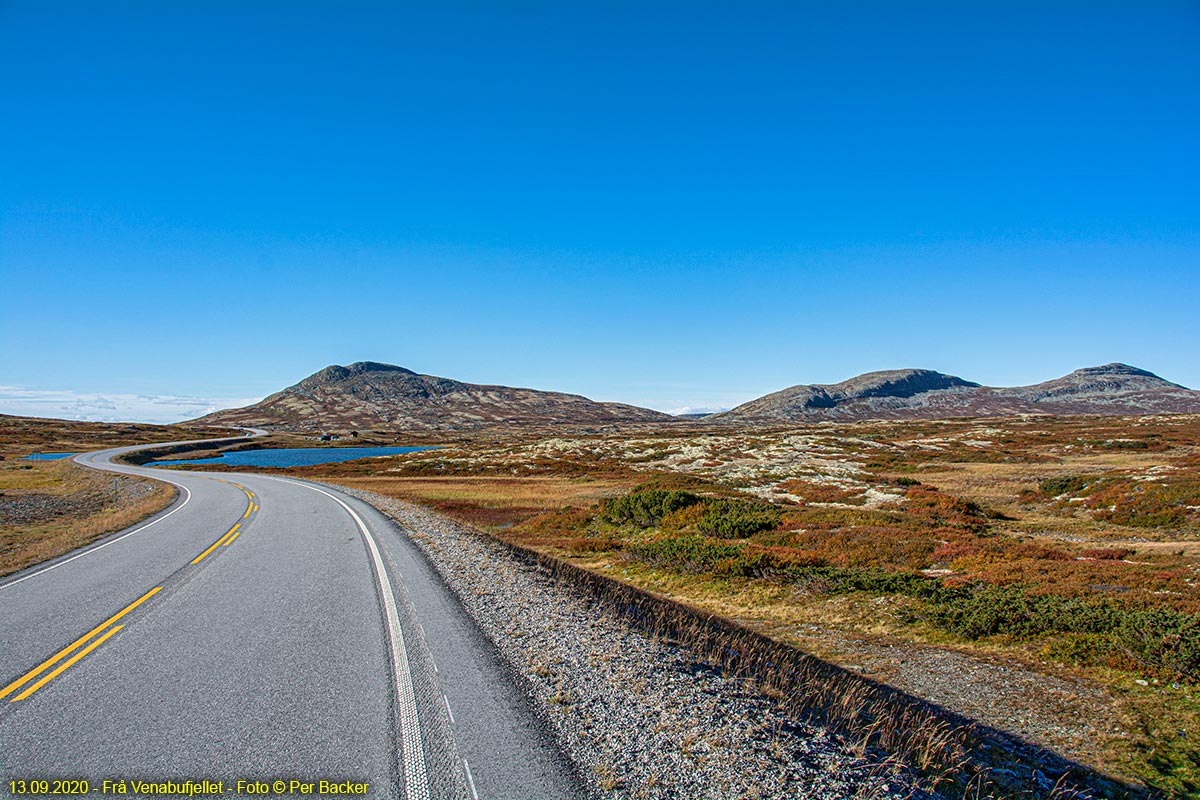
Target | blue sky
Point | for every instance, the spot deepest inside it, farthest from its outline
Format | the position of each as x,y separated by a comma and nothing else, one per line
674,204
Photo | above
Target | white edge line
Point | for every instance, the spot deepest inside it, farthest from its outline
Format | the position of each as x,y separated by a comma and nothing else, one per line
88,552
470,780
85,459
448,711
416,781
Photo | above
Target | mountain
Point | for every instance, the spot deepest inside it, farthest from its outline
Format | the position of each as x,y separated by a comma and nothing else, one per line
925,394
372,395
1117,385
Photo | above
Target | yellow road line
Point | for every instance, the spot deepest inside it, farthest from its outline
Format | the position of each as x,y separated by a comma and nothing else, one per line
54,659
66,665
226,539
216,544
232,533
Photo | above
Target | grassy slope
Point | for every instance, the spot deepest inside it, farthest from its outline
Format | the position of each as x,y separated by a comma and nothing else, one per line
48,508
954,503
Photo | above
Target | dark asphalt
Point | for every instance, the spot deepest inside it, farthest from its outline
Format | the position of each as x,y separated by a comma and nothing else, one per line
276,657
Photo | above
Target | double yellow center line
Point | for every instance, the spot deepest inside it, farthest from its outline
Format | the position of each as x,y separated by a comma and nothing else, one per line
64,659
233,532
102,628
229,536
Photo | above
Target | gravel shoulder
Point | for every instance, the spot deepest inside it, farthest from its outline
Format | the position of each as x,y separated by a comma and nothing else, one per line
1065,714
641,716
50,508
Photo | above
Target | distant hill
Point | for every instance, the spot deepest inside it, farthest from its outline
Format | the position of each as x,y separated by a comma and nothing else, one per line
372,395
925,394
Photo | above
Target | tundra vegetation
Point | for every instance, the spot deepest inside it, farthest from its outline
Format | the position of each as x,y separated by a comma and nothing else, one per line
48,508
1067,547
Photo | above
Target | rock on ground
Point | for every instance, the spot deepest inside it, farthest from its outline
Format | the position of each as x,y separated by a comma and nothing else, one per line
642,717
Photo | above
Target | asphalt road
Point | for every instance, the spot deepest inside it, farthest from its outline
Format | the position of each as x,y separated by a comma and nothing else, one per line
261,629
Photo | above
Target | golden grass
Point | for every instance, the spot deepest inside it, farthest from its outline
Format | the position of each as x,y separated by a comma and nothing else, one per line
997,464
837,628
491,501
543,492
87,511
19,477
773,608
1000,485
868,717
20,436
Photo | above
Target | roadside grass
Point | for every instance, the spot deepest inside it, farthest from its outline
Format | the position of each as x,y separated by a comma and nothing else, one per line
20,436
50,508
1157,716
491,502
1068,545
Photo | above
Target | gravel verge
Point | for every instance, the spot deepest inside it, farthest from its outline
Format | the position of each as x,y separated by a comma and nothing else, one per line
1066,715
19,508
643,717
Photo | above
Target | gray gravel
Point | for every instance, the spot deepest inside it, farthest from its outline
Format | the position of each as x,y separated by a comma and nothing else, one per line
21,508
642,717
1060,713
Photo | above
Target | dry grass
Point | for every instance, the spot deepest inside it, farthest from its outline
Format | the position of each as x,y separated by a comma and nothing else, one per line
48,508
506,492
951,753
20,436
492,502
51,508
960,502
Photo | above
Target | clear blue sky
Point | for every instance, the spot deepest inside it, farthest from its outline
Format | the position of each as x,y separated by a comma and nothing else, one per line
675,204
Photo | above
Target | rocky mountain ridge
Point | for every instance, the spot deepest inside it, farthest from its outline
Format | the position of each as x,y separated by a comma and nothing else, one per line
369,394
925,394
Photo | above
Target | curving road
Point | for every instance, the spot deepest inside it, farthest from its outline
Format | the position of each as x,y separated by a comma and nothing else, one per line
260,629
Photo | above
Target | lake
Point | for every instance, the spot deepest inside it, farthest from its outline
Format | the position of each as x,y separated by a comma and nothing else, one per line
293,456
49,456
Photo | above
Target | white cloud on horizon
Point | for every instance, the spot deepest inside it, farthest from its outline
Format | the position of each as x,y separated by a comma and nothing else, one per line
697,410
105,407
159,409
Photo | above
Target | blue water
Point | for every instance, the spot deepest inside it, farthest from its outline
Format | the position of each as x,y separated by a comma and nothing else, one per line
49,456
293,456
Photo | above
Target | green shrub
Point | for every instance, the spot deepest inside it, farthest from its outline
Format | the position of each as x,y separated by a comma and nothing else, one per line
646,508
1159,518
1079,649
737,519
699,554
1084,629
1162,638
1068,484
1147,504
988,610
1076,630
